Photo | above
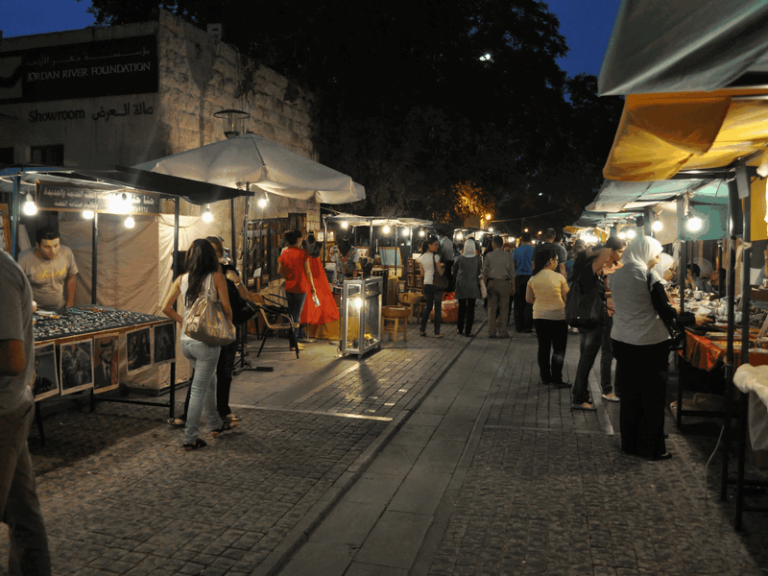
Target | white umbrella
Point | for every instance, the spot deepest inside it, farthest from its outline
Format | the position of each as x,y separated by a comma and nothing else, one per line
255,161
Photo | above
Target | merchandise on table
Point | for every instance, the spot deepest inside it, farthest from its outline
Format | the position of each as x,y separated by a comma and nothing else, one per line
85,320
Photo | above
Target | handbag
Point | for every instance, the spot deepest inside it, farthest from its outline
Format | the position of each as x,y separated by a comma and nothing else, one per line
205,321
583,309
439,282
483,289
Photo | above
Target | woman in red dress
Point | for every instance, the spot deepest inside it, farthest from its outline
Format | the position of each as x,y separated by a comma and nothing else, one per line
327,311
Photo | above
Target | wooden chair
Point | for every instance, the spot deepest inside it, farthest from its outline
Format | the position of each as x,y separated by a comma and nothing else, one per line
276,318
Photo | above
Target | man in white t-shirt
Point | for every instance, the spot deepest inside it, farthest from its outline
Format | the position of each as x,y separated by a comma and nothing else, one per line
19,505
429,261
49,266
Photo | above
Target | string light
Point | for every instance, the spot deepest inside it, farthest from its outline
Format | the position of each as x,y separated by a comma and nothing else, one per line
694,224
30,208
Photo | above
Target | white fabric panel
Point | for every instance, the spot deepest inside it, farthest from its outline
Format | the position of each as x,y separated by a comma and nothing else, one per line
753,380
249,158
684,45
135,273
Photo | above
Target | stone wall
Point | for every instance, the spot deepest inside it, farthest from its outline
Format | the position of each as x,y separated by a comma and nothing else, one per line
198,75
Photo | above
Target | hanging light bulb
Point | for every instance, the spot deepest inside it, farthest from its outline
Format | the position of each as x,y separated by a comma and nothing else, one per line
344,225
406,231
657,226
622,235
129,222
459,236
694,224
263,203
30,208
490,229
89,214
208,215
386,229
526,230
422,233
631,233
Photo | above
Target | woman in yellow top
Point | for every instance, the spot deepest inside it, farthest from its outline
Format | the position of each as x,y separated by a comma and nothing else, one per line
546,291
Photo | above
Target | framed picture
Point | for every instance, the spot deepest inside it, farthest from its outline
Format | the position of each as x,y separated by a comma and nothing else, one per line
46,376
139,351
76,366
106,362
165,343
5,228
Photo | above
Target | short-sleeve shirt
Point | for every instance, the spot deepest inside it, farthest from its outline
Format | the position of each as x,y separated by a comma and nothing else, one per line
562,255
48,277
16,324
523,256
429,266
296,281
547,287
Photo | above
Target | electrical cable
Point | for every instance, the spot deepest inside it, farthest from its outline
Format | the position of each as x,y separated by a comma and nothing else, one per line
706,467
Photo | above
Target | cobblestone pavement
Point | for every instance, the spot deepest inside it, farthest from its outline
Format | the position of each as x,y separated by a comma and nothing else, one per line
548,493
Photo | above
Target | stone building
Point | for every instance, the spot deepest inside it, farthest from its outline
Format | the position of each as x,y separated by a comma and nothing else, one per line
122,95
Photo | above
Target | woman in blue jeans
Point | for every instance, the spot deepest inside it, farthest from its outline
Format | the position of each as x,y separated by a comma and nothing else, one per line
431,265
202,274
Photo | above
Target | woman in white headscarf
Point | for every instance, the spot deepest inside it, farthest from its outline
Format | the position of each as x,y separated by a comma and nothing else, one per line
641,345
466,272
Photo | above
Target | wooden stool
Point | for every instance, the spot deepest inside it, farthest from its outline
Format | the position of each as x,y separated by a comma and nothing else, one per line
393,317
413,302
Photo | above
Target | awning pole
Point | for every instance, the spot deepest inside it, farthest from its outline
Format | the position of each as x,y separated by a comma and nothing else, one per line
15,217
233,245
370,240
325,239
176,216
246,248
729,358
682,272
95,258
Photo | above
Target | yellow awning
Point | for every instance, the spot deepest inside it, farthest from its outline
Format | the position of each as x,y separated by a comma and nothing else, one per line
661,134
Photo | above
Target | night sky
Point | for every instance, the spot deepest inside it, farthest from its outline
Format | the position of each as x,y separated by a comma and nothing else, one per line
586,25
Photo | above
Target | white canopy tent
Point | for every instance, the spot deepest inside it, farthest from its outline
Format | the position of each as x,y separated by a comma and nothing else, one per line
685,45
254,162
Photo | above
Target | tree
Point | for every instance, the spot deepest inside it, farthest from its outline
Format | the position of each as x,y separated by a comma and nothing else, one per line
405,104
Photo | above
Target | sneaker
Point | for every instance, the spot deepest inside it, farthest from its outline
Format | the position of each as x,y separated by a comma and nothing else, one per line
611,397
438,335
560,384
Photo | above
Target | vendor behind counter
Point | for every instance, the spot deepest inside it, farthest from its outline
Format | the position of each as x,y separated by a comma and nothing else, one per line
50,267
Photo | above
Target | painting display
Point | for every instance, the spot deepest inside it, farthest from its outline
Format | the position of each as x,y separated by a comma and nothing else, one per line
76,366
139,352
46,377
106,361
165,343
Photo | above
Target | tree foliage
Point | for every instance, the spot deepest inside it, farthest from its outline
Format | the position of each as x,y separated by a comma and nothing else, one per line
406,106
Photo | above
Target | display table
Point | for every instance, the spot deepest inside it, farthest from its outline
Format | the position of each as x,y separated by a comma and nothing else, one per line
706,354
80,349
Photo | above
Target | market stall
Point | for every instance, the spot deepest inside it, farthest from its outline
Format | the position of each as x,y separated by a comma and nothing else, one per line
120,193
694,82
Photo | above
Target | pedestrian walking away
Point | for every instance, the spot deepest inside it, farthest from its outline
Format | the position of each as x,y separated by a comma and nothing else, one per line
202,272
547,291
499,275
466,272
523,257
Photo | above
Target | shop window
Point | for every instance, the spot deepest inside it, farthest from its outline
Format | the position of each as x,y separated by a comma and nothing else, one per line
52,155
6,156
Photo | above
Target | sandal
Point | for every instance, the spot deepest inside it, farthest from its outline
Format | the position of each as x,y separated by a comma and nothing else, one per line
197,444
225,427
233,417
177,422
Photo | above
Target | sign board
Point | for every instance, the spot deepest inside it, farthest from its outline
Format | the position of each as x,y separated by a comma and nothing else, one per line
85,70
52,196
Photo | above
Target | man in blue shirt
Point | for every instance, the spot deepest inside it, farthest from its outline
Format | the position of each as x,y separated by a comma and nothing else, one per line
523,256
